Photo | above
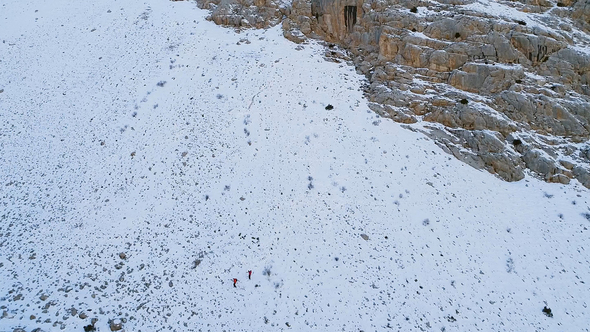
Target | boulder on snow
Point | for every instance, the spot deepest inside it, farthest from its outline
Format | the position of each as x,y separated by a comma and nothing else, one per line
116,325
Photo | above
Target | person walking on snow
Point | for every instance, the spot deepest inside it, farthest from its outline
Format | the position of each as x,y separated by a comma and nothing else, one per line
249,274
235,281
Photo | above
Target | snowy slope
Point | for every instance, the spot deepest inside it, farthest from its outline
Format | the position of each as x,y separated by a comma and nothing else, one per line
148,157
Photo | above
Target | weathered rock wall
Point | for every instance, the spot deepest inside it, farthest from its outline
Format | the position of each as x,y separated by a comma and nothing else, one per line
500,93
245,13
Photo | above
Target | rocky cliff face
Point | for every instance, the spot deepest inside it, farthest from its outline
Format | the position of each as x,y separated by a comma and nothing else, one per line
501,85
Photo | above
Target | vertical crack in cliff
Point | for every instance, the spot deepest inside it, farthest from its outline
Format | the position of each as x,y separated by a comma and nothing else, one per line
349,17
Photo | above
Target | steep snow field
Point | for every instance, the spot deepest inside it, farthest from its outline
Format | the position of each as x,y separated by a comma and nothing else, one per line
148,157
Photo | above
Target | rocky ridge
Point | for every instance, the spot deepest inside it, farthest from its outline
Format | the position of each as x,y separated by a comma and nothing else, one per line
501,85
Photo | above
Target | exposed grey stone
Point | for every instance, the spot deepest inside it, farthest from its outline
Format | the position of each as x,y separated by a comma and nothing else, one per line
484,151
567,164
244,13
583,175
539,162
485,78
559,178
115,325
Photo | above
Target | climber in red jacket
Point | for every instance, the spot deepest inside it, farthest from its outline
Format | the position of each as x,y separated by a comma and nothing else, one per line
235,281
249,274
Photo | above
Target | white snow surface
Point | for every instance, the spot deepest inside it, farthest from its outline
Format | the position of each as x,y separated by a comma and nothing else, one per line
493,7
233,160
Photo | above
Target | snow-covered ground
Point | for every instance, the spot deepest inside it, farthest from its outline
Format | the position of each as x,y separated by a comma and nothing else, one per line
148,157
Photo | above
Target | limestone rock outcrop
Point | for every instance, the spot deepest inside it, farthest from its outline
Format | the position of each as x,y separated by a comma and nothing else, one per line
245,13
492,83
